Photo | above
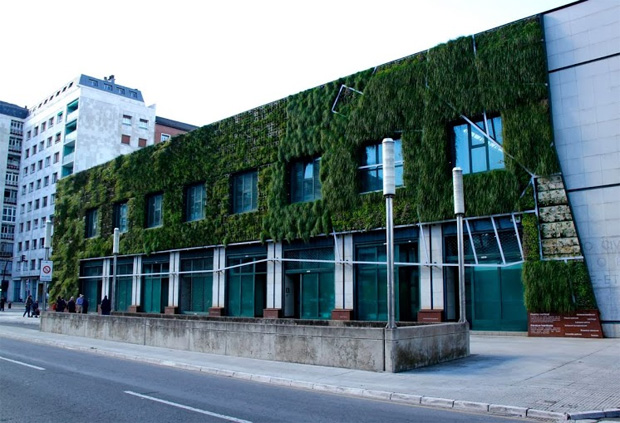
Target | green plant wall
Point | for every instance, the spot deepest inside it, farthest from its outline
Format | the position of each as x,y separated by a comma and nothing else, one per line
417,98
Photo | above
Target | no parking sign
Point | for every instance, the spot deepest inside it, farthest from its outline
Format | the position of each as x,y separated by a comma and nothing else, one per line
47,267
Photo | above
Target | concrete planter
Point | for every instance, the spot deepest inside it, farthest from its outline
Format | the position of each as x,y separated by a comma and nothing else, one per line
353,345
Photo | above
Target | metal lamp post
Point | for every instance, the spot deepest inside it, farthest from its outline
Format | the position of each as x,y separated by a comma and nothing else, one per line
115,248
459,210
389,189
48,241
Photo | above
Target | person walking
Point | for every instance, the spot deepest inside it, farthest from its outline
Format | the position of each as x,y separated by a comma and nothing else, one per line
84,305
61,305
28,305
79,303
1,303
71,305
106,306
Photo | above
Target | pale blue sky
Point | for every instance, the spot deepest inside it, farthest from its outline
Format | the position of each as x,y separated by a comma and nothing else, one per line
202,61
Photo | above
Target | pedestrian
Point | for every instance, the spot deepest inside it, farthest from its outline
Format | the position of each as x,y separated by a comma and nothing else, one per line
84,305
61,305
28,306
1,303
35,309
71,305
106,306
79,302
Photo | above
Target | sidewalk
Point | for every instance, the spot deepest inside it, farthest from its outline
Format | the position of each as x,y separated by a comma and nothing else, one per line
548,378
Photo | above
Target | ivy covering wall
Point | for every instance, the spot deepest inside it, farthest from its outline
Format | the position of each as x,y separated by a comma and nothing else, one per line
419,98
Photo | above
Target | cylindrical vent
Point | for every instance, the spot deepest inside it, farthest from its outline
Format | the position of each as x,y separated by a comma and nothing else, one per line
459,197
389,187
117,236
48,234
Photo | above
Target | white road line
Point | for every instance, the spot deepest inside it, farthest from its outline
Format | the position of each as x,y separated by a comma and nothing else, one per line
185,407
22,363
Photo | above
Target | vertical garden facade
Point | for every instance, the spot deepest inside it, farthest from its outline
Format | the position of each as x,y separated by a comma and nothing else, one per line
278,211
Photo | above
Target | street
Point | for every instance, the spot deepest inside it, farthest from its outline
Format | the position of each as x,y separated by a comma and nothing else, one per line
48,384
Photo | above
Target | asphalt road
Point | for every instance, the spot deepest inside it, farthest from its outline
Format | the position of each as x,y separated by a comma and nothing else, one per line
47,384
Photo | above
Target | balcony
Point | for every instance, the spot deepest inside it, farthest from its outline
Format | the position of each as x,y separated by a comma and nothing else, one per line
72,116
70,138
69,158
9,237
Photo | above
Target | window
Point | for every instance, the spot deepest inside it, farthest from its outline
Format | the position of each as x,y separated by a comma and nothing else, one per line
54,178
107,87
34,244
120,217
144,124
474,151
59,117
34,150
44,201
91,223
41,145
47,161
371,166
38,184
46,181
43,126
31,187
51,122
195,199
40,164
141,142
37,202
154,207
28,225
28,135
125,139
57,139
36,131
164,137
245,192
56,157
126,120
23,189
52,200
305,183
27,153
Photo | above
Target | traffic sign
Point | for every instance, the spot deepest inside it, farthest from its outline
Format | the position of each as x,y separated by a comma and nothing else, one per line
47,267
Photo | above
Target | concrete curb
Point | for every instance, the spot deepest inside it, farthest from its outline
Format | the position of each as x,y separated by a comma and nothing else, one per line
396,397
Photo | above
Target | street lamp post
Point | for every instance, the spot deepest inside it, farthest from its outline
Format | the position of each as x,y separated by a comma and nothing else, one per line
389,189
115,249
48,240
459,210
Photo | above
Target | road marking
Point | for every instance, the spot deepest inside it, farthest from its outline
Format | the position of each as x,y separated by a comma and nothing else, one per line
185,407
22,363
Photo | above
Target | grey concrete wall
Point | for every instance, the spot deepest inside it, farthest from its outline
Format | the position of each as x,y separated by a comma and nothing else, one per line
337,344
583,43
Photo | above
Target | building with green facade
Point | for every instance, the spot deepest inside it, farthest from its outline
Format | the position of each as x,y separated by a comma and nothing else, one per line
278,211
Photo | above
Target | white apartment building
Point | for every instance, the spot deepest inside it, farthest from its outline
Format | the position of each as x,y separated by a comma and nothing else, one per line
11,134
87,122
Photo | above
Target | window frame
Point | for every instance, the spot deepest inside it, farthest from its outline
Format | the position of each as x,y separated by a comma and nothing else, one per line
297,187
121,221
469,165
154,210
194,206
249,184
364,168
91,224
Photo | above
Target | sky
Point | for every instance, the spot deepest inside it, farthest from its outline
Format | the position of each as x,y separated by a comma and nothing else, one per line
201,61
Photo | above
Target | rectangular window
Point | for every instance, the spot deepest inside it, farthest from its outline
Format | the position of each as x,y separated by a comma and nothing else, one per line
125,139
120,217
38,184
49,142
57,139
126,120
56,157
40,164
164,137
371,166
154,209
245,192
91,223
48,159
46,181
43,126
305,183
141,142
54,177
51,121
34,150
144,124
195,199
473,149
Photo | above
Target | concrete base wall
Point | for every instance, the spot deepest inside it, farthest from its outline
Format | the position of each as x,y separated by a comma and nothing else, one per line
334,344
